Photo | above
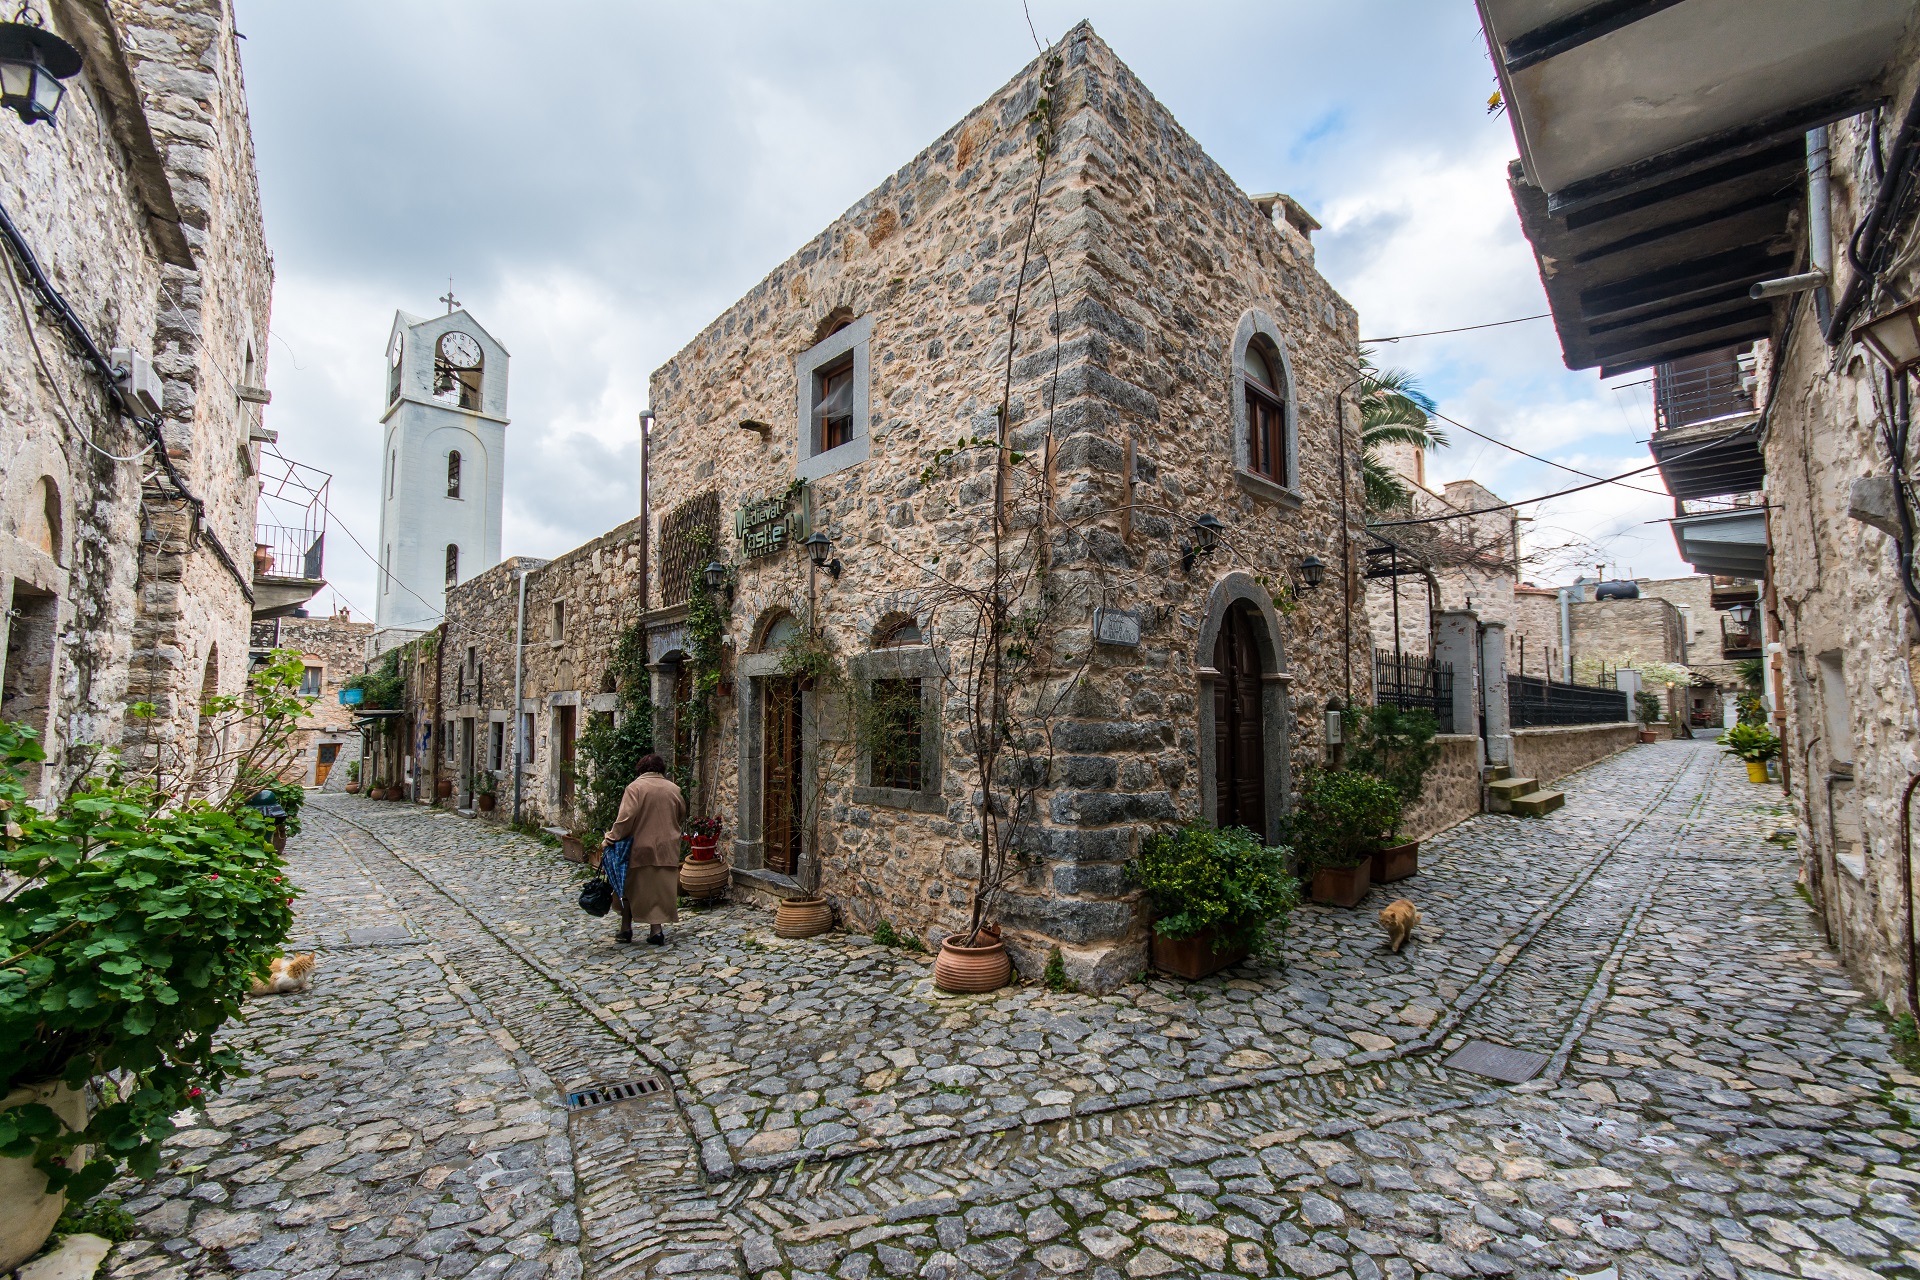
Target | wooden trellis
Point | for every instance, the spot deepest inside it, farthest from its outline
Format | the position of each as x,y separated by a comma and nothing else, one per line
689,537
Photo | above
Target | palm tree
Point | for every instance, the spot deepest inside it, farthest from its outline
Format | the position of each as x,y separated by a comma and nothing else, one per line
1394,409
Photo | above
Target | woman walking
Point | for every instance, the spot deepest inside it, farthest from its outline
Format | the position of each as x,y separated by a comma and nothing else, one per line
645,874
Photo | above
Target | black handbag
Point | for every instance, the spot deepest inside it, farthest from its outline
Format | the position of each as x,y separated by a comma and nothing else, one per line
596,896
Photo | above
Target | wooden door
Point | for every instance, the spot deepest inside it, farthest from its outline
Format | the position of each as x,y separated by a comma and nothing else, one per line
563,728
780,789
329,752
1239,746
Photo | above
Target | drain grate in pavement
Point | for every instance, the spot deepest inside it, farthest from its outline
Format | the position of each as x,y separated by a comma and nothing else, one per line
1497,1062
605,1095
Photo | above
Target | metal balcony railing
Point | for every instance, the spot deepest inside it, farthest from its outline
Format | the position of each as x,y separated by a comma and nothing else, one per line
280,552
1681,396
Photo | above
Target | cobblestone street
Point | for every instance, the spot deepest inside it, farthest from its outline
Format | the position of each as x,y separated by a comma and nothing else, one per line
1717,1099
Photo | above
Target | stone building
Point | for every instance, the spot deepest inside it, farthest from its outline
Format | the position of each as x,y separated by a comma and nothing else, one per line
332,650
1669,236
128,516
1175,357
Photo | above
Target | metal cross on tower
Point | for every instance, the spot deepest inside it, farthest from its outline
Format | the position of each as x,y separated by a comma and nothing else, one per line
448,297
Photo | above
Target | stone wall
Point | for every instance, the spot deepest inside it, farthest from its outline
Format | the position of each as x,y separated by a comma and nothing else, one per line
1451,793
1625,631
1845,686
1535,633
1547,754
1145,271
335,650
140,205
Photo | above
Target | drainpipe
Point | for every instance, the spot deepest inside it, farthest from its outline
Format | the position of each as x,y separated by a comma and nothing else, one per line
519,666
1906,879
1566,640
439,682
1820,223
646,516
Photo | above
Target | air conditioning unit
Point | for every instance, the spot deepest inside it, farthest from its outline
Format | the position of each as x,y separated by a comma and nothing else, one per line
138,379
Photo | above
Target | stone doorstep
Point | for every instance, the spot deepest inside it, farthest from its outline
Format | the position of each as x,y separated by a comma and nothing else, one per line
1502,792
765,888
1539,803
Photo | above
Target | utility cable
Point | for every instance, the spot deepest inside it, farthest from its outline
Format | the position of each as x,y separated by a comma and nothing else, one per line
1465,328
1549,461
53,384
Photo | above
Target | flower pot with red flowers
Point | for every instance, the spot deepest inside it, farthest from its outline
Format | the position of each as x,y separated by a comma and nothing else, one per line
703,838
1216,896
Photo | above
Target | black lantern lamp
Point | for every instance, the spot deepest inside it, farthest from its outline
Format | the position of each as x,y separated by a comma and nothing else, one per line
1206,536
1313,571
33,62
1743,616
820,551
716,577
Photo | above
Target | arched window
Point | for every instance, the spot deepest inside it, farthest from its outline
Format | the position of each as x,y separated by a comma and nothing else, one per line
453,473
896,633
1265,416
453,563
45,519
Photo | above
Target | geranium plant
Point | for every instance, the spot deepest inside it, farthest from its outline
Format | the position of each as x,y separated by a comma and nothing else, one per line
702,829
136,912
1199,879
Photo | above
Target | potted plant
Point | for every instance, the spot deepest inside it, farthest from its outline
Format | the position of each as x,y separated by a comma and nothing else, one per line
1342,817
484,785
1395,745
802,917
1647,705
353,776
703,874
190,902
1214,893
442,787
1753,744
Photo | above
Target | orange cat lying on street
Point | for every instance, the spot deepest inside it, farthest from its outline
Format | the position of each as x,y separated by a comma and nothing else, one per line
1398,918
289,973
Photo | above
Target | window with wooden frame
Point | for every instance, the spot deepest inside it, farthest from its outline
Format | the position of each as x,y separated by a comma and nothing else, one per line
833,404
896,720
1266,416
834,387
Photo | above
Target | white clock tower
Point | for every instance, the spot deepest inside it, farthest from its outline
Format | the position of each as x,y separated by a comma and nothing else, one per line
442,464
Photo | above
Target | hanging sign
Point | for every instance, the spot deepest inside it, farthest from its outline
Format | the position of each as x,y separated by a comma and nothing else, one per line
768,526
351,697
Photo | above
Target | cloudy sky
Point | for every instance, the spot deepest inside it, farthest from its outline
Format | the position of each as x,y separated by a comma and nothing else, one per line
599,180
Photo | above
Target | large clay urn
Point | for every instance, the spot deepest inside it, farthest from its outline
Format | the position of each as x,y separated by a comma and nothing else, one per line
27,1212
983,966
703,878
802,917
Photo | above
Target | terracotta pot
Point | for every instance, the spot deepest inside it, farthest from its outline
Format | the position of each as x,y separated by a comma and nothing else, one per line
971,969
1194,957
705,878
352,787
262,560
1649,736
443,788
700,848
802,917
1343,886
1756,771
485,801
1395,862
27,1212
572,848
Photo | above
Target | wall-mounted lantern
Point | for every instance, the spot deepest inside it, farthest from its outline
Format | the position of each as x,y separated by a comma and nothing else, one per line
33,62
1313,571
820,552
1893,337
1743,616
716,577
1206,536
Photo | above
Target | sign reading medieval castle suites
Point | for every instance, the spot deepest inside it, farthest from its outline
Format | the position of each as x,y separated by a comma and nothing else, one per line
767,526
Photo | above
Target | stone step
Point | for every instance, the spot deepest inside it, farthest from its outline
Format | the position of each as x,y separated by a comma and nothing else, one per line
1538,804
1508,788
1495,772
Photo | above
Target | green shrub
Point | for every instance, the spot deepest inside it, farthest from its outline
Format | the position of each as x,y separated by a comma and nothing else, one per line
1750,742
101,1216
611,748
1199,878
1648,705
1056,972
1343,816
131,928
1395,745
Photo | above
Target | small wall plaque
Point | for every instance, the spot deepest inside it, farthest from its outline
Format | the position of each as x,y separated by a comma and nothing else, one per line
1116,626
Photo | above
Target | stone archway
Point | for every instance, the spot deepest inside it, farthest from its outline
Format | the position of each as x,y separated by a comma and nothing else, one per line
1241,622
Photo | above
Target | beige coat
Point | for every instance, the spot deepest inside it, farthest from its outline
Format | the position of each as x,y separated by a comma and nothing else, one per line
652,811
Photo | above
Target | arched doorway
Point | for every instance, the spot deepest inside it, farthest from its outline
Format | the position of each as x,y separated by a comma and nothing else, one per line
1239,737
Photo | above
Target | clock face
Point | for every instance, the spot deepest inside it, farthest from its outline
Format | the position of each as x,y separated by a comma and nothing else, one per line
460,350
393,351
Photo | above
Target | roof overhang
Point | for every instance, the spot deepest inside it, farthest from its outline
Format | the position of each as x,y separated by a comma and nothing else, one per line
1662,154
1729,544
1711,459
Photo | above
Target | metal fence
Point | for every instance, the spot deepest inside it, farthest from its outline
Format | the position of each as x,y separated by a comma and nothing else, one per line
1533,703
289,553
1412,682
1713,389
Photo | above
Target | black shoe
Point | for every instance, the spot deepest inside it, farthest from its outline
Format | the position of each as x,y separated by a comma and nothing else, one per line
625,935
656,939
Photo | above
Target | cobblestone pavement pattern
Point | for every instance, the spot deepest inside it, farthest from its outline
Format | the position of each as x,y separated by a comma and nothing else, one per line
1718,1100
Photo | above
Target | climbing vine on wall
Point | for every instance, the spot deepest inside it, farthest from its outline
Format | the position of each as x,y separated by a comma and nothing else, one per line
611,747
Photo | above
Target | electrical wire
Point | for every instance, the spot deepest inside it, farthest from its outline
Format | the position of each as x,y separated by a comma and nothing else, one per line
53,384
1548,461
1465,328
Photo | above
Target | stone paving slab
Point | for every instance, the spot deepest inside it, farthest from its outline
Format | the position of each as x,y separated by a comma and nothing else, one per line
1718,1101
